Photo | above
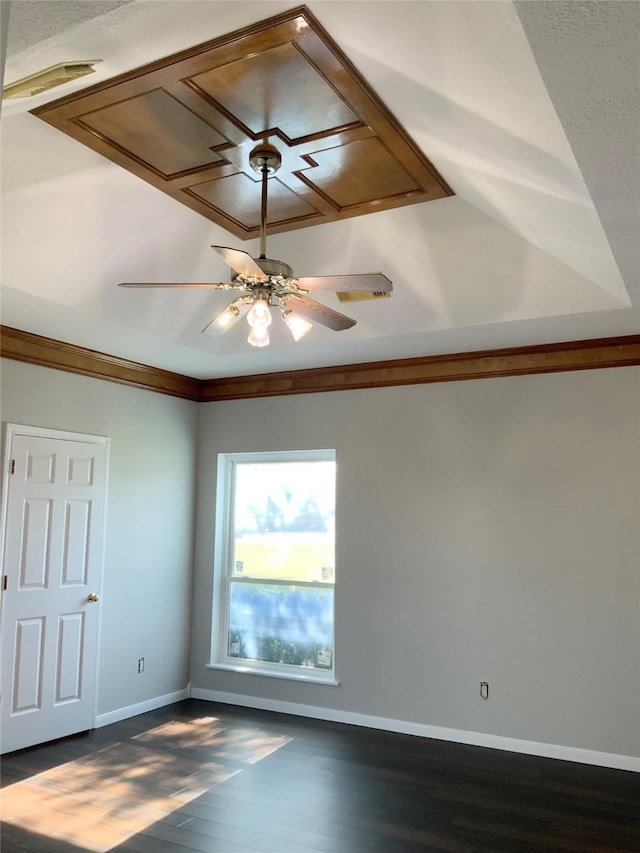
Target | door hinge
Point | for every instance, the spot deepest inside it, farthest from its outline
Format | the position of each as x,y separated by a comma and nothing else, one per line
4,582
13,466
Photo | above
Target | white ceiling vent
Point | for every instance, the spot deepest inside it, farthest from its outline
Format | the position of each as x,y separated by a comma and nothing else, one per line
56,75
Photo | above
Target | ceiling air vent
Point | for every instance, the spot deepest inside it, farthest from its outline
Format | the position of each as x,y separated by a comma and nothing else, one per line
64,72
361,295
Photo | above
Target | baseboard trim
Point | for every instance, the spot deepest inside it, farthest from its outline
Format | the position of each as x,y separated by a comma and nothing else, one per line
526,747
140,708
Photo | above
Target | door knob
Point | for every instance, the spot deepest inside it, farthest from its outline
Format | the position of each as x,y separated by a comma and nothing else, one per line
93,596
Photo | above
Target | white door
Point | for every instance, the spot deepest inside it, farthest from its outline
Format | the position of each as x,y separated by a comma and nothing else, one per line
53,538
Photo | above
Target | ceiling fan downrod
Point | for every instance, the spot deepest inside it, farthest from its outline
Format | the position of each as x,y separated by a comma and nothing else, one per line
266,160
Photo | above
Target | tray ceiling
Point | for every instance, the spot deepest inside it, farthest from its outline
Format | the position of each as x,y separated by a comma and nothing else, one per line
186,124
538,244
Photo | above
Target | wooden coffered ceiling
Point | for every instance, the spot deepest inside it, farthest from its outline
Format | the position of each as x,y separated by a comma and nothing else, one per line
186,124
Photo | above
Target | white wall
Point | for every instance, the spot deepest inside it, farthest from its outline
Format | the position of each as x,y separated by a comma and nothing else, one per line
149,543
486,530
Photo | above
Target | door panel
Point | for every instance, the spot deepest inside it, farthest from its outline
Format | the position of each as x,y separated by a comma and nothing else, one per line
52,560
76,542
27,667
69,657
34,544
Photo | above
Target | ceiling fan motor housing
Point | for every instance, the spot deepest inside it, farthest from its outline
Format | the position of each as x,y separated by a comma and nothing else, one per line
275,273
265,156
274,268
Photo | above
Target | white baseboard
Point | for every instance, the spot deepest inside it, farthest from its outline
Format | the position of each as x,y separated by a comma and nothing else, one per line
140,708
527,747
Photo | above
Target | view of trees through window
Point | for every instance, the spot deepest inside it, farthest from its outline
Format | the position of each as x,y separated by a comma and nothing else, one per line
281,570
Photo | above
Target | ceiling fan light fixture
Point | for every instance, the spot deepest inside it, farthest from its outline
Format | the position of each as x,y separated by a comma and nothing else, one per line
259,318
259,315
258,336
297,325
226,318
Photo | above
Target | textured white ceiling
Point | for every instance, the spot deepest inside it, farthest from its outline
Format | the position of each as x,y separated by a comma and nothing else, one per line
33,22
530,111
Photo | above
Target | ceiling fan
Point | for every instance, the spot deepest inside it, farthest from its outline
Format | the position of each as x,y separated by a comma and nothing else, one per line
267,283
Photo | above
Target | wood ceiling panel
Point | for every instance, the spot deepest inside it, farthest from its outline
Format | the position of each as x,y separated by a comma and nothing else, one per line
187,123
365,172
278,89
239,197
159,131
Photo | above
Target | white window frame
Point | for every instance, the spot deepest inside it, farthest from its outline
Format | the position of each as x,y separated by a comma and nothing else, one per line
223,568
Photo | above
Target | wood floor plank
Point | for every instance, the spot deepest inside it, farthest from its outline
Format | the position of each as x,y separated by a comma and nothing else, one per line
200,777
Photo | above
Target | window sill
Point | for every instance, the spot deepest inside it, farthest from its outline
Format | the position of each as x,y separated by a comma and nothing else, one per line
311,678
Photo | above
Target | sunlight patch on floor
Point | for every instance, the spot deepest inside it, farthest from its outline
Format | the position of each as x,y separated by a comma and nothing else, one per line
246,745
99,801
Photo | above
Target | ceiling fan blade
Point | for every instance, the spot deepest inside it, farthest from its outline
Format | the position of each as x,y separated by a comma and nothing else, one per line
317,313
371,282
206,286
240,261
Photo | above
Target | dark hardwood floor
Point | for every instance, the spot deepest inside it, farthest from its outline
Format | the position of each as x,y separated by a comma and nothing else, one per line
198,776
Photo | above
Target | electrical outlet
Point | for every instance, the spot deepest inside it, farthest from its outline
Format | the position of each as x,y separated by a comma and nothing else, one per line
140,664
484,689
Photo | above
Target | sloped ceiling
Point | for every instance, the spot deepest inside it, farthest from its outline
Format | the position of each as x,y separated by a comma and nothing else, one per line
529,111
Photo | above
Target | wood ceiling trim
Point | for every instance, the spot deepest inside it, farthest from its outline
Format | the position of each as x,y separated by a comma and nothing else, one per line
514,361
48,352
186,123
546,358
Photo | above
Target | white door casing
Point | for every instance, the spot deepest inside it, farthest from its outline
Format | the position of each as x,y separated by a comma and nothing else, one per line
54,502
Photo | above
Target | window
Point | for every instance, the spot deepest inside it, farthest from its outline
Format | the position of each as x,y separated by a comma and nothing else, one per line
275,563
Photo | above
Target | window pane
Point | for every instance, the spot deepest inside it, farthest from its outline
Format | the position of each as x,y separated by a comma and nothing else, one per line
284,521
281,624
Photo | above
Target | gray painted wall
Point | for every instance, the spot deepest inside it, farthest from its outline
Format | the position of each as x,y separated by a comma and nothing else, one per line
486,530
146,597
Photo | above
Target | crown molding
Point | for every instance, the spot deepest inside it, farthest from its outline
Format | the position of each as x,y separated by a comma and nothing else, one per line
48,352
514,361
